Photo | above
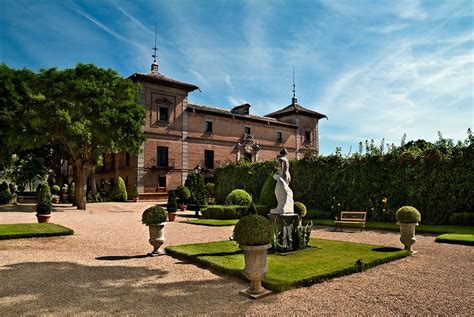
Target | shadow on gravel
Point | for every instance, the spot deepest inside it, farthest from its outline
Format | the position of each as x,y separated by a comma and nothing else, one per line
63,288
121,257
386,249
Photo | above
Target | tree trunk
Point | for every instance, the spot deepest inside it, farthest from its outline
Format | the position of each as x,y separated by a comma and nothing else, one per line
81,171
94,184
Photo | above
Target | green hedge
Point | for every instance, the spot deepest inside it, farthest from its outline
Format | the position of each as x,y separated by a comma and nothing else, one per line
223,212
229,212
435,178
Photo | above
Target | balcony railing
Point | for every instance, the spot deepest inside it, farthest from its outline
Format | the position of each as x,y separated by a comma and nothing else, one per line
170,164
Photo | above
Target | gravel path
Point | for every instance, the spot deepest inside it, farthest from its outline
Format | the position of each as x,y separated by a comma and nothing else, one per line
102,270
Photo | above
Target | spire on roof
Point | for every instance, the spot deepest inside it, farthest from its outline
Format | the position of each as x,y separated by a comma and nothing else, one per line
294,101
154,66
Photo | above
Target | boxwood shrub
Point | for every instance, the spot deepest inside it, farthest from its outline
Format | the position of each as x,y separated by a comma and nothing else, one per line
223,212
267,195
407,214
238,197
253,230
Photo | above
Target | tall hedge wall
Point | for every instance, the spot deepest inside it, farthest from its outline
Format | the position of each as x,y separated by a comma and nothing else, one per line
436,178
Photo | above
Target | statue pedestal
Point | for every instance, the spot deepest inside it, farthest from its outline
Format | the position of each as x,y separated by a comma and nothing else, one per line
283,225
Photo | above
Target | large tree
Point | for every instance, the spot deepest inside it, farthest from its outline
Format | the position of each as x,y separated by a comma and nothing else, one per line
16,100
89,111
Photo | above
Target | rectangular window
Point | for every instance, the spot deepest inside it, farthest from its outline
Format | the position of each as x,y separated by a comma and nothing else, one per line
209,159
247,130
112,183
279,137
163,114
162,181
209,127
307,136
127,159
162,156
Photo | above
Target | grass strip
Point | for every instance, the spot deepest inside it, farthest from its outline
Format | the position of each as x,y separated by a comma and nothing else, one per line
465,239
436,229
325,260
212,222
31,230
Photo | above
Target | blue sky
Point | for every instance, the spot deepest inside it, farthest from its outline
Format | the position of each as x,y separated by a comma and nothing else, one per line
377,69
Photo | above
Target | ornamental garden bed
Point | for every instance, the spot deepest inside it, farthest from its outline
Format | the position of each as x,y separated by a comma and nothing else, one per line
325,259
31,230
465,239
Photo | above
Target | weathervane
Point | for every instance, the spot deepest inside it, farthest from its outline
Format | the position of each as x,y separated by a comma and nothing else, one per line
154,66
294,100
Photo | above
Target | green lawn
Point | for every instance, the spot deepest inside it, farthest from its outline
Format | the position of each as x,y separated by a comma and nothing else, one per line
326,259
436,229
212,222
29,230
467,239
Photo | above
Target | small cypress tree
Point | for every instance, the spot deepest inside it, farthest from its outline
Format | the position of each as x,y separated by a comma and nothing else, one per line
44,206
172,203
5,193
119,193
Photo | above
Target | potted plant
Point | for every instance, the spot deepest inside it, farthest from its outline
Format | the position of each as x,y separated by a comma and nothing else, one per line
155,218
135,193
43,207
55,199
408,218
254,234
64,191
183,193
172,205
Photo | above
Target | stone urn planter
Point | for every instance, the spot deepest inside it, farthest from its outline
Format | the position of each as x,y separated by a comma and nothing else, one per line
255,269
254,234
20,199
157,238
407,235
155,218
408,218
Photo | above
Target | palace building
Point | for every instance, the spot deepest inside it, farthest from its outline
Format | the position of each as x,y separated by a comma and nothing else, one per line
182,136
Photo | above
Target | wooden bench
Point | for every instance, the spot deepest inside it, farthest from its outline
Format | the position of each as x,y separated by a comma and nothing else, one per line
351,217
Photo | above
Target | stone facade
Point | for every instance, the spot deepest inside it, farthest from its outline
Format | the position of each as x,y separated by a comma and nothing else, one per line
181,136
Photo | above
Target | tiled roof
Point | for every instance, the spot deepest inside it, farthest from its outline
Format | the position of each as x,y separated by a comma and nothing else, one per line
296,108
157,78
228,113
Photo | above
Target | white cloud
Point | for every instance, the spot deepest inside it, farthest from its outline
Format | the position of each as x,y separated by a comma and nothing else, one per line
228,82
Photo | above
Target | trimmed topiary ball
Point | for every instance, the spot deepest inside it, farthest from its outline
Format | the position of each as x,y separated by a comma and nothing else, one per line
253,230
154,215
238,197
407,214
44,206
267,195
119,193
55,190
299,209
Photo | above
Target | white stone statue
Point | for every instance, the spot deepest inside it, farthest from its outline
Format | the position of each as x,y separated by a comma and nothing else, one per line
283,192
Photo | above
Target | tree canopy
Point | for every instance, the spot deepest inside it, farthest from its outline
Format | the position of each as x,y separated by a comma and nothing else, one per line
86,110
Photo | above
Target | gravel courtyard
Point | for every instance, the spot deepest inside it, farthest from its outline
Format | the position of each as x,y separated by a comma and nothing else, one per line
102,269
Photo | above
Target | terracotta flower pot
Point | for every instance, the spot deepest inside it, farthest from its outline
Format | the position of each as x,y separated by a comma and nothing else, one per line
157,238
255,269
182,207
43,218
171,216
407,235
20,199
